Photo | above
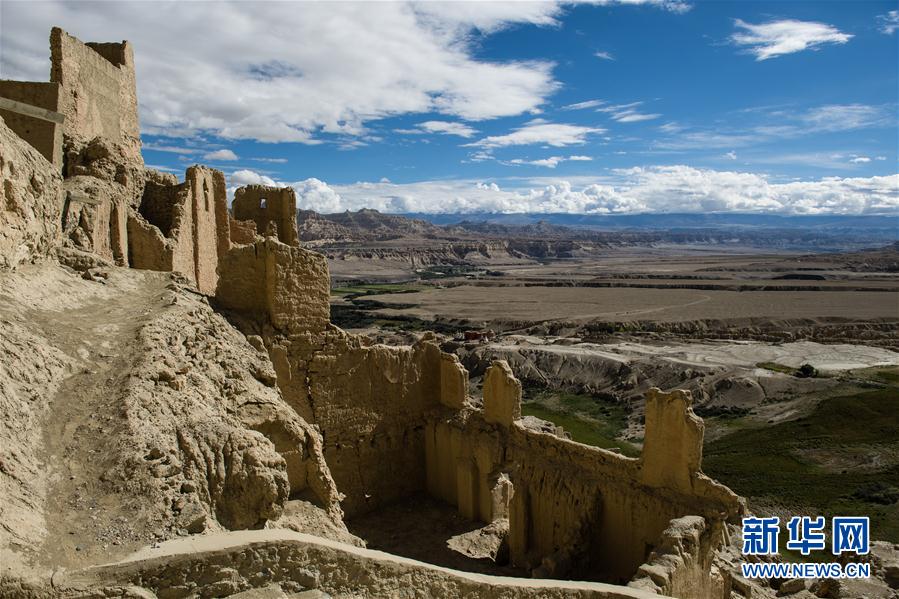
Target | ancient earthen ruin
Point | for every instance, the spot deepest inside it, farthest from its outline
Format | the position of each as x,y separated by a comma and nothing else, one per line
241,403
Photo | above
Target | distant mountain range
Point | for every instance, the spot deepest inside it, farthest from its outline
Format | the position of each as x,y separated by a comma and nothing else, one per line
889,225
813,233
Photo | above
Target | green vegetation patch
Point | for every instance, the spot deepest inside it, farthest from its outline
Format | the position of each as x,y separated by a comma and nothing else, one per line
590,419
775,367
769,462
375,289
887,374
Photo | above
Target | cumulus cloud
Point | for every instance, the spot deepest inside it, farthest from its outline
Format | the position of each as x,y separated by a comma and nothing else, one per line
675,188
604,55
539,131
889,22
777,38
731,155
224,154
280,74
248,177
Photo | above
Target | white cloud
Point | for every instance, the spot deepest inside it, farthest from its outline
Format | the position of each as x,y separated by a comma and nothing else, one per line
445,127
675,6
551,162
273,160
604,55
627,113
889,22
556,135
845,117
313,194
632,116
676,188
296,72
168,149
583,105
224,154
830,118
776,38
859,159
248,177
731,155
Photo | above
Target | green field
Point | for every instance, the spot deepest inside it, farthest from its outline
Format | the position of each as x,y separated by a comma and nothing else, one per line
775,367
772,463
800,465
589,419
374,289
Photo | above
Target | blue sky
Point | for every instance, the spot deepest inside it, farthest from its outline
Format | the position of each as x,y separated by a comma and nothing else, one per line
640,106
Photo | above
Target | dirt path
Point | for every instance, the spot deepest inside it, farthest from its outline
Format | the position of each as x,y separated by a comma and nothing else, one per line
85,521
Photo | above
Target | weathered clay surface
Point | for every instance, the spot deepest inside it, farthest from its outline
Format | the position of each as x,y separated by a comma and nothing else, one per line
159,411
272,209
502,394
182,228
30,202
226,564
98,94
682,562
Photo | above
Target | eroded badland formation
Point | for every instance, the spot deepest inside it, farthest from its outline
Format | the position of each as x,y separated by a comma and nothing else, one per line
180,418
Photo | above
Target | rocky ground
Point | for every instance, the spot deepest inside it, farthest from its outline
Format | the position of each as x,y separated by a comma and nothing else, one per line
135,411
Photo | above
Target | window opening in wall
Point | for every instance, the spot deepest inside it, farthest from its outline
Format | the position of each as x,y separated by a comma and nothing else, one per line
262,203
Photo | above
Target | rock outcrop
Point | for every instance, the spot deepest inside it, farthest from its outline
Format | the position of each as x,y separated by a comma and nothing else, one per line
31,194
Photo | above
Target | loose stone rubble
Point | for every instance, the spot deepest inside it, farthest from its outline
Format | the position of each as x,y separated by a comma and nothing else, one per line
231,403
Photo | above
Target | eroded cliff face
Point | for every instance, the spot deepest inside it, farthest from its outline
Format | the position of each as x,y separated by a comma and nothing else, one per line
31,199
156,421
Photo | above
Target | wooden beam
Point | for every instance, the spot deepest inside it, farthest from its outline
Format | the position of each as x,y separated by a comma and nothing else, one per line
32,111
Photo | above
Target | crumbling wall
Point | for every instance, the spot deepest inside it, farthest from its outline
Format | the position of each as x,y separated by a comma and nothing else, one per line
284,285
85,122
371,403
395,421
682,564
575,510
182,228
98,94
44,134
267,207
30,202
242,231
